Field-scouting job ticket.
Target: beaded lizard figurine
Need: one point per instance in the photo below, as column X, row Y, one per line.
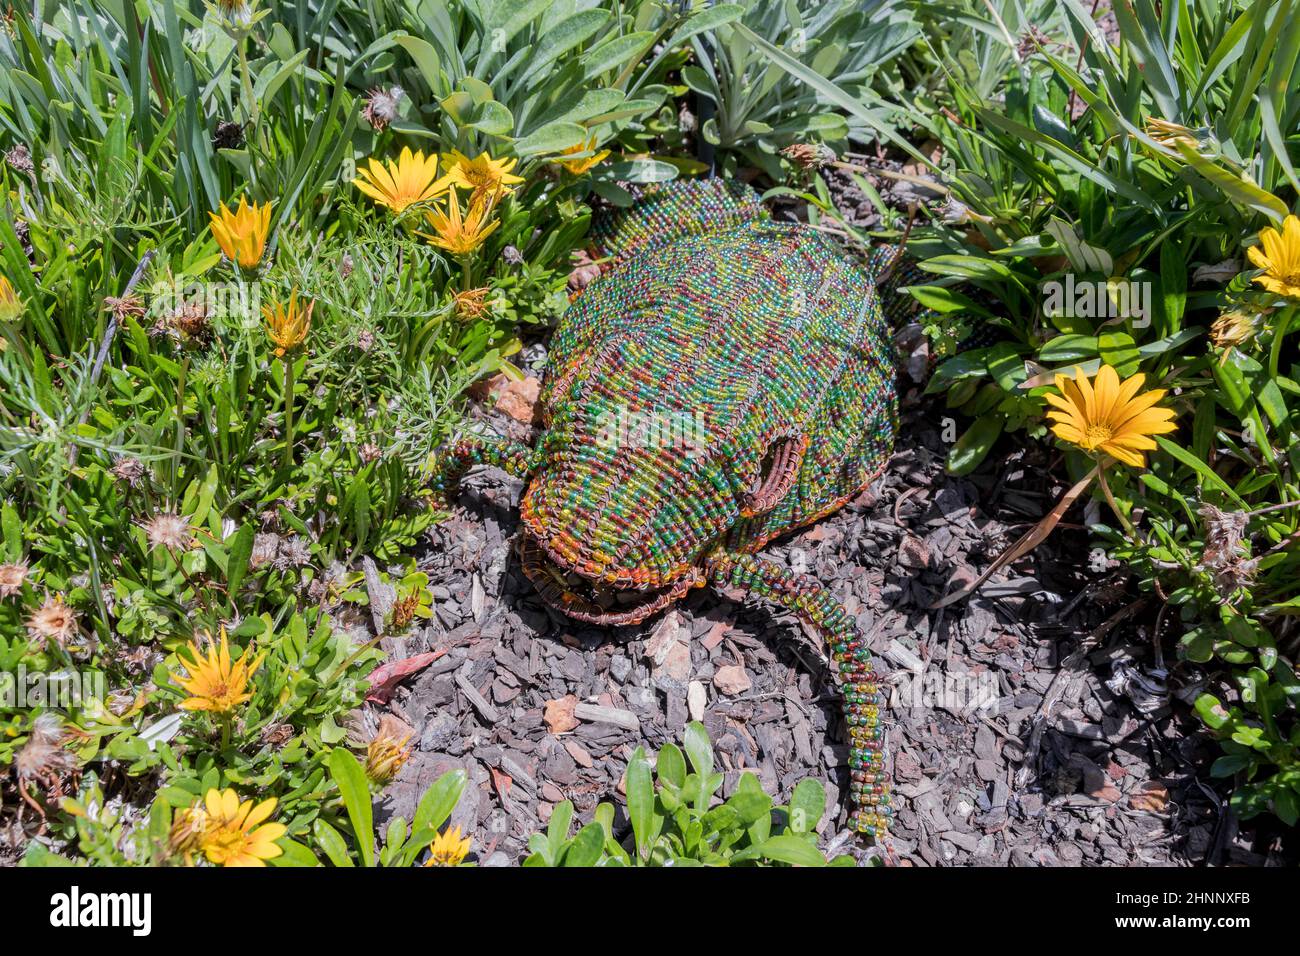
column 727, row 380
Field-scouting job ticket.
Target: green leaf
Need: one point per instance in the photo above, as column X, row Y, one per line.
column 974, row 444
column 586, row 847
column 640, row 803
column 241, row 550
column 791, row 848
column 439, row 801
column 331, row 843
column 807, row 804
column 355, row 790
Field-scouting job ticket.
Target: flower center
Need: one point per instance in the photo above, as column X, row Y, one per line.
column 223, row 843
column 1097, row 435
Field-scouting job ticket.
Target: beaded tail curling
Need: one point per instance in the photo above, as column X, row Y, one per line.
column 859, row 690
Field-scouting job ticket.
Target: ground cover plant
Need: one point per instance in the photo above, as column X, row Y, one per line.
column 254, row 257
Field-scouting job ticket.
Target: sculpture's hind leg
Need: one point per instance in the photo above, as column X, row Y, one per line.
column 465, row 453
column 862, row 699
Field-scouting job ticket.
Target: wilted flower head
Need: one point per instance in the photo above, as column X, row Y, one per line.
column 53, row 622
column 189, row 827
column 512, row 256
column 369, row 452
column 809, row 155
column 1234, row 328
column 190, row 319
column 1223, row 556
column 12, row 577
column 381, row 106
column 11, row 306
column 1169, row 134
column 1278, row 254
column 470, row 304
column 388, row 750
column 242, row 234
column 170, row 531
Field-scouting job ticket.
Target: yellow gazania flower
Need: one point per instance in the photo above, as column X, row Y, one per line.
column 242, row 234
column 232, row 836
column 460, row 236
column 1279, row 258
column 11, row 306
column 412, row 179
column 215, row 683
column 1109, row 416
column 448, row 849
column 287, row 323
column 489, row 178
column 580, row 166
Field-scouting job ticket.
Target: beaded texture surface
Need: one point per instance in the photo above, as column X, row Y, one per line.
column 726, row 380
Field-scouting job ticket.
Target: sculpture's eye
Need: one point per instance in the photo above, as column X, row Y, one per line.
column 777, row 473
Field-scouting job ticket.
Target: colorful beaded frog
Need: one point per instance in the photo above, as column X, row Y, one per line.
column 727, row 380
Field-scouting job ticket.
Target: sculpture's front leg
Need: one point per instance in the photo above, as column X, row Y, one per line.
column 862, row 699
column 458, row 457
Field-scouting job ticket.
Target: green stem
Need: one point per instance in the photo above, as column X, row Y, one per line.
column 287, row 456
column 1123, row 519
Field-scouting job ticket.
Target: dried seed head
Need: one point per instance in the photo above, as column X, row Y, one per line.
column 265, row 548
column 512, row 256
column 20, row 159
column 381, row 106
column 170, row 531
column 53, row 622
column 277, row 735
column 365, row 339
column 43, row 757
column 369, row 452
column 129, row 470
column 191, row 321
column 124, row 306
column 1224, row 531
column 12, row 577
column 1234, row 328
column 228, row 135
column 293, row 553
column 346, row 265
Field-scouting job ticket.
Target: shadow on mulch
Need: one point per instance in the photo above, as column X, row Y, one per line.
column 1037, row 724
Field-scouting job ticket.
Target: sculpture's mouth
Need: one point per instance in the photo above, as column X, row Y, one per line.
column 597, row 601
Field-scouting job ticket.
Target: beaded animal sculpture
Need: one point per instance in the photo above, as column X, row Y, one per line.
column 727, row 380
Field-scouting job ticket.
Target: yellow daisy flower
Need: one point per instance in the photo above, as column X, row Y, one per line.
column 242, row 234
column 488, row 178
column 287, row 323
column 397, row 185
column 232, row 836
column 460, row 236
column 580, row 166
column 448, row 849
column 1109, row 416
column 215, row 683
column 1278, row 254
